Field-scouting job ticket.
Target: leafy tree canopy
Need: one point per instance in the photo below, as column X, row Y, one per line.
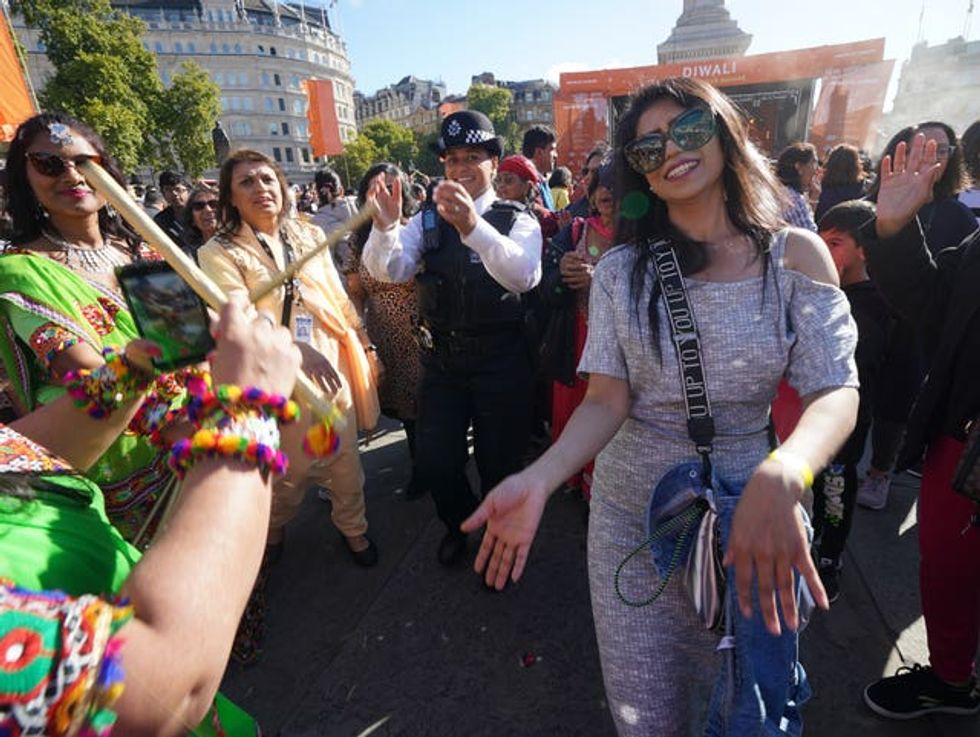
column 104, row 77
column 378, row 140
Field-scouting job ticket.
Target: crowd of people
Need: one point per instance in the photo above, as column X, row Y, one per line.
column 611, row 334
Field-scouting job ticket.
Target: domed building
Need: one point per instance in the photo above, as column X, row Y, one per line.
column 259, row 52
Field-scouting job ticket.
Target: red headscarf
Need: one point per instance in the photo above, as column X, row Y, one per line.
column 522, row 167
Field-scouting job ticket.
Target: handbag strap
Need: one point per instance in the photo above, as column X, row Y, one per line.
column 687, row 346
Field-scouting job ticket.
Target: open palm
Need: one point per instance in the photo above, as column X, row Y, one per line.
column 906, row 183
column 512, row 512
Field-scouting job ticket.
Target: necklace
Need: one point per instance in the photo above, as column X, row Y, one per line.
column 101, row 260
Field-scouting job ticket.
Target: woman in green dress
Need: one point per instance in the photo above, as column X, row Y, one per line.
column 82, row 616
column 60, row 303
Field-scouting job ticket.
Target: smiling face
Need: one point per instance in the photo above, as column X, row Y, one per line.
column 472, row 167
column 204, row 211
column 684, row 174
column 65, row 194
column 255, row 192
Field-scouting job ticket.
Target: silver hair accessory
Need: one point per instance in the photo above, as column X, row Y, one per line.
column 60, row 134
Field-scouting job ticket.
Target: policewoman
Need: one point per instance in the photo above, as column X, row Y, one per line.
column 473, row 257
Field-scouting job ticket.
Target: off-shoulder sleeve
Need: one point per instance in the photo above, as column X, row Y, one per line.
column 824, row 337
column 603, row 353
column 62, row 669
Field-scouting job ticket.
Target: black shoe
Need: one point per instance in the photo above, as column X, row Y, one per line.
column 917, row 691
column 367, row 558
column 829, row 571
column 452, row 549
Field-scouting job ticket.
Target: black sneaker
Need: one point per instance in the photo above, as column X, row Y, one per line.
column 917, row 691
column 829, row 571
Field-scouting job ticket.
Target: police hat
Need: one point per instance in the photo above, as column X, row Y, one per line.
column 468, row 128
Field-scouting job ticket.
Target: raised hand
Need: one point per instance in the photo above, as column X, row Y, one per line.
column 512, row 512
column 906, row 184
column 388, row 202
column 456, row 206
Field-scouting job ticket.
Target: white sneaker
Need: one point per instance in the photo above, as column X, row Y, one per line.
column 873, row 491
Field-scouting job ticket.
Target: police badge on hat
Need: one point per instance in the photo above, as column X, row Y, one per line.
column 468, row 128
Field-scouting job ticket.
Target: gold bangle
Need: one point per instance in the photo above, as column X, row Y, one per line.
column 794, row 463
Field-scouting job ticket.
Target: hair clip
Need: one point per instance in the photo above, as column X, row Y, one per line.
column 60, row 134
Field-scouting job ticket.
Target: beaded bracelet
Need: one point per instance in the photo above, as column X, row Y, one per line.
column 229, row 399
column 210, row 443
column 102, row 390
column 163, row 405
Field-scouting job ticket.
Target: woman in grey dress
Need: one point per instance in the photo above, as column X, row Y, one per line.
column 767, row 305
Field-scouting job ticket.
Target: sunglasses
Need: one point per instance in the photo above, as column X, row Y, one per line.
column 690, row 130
column 201, row 204
column 52, row 165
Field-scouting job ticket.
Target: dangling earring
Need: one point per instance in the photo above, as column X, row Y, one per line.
column 39, row 212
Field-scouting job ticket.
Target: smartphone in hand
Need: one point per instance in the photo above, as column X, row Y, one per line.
column 168, row 312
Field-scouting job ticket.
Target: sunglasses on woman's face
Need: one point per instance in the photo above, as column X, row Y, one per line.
column 690, row 130
column 201, row 204
column 52, row 165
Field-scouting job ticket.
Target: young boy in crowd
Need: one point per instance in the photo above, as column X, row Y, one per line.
column 835, row 490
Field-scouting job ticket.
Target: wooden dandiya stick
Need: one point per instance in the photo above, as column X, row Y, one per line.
column 353, row 223
column 200, row 282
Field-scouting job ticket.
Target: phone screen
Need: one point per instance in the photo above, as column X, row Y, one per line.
column 168, row 312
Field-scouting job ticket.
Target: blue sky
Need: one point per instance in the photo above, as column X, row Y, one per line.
column 528, row 39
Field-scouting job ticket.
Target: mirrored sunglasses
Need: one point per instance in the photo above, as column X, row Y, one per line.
column 51, row 165
column 690, row 130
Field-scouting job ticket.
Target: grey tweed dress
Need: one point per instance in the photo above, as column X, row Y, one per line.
column 657, row 663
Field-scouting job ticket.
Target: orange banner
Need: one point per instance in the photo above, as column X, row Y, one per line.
column 16, row 104
column 730, row 71
column 856, row 70
column 322, row 114
column 849, row 106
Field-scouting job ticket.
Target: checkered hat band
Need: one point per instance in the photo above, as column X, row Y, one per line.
column 478, row 136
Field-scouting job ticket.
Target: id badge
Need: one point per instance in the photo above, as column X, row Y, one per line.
column 304, row 328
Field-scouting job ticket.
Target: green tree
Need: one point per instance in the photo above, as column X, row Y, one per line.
column 185, row 115
column 495, row 103
column 104, row 77
column 359, row 154
column 427, row 160
column 378, row 140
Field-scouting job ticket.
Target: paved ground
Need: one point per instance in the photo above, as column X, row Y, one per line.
column 434, row 653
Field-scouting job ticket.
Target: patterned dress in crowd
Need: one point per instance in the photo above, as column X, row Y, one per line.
column 390, row 314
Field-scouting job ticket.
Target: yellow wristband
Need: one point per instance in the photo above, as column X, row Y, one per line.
column 794, row 463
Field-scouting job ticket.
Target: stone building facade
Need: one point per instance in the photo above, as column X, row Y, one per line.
column 258, row 52
column 411, row 102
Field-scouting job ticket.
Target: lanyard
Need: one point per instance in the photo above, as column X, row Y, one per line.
column 290, row 285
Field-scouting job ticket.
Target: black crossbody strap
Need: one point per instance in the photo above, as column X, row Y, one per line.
column 687, row 345
column 290, row 285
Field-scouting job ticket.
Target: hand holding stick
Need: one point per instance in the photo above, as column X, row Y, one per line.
column 119, row 198
column 335, row 236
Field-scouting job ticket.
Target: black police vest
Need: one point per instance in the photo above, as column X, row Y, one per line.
column 455, row 291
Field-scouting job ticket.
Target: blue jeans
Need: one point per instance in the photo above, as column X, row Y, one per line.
column 761, row 684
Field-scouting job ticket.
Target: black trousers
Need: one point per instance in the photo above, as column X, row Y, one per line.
column 491, row 391
column 835, row 494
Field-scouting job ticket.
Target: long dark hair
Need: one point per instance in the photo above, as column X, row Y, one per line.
column 229, row 219
column 27, row 216
column 843, row 167
column 187, row 217
column 789, row 157
column 954, row 179
column 753, row 200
